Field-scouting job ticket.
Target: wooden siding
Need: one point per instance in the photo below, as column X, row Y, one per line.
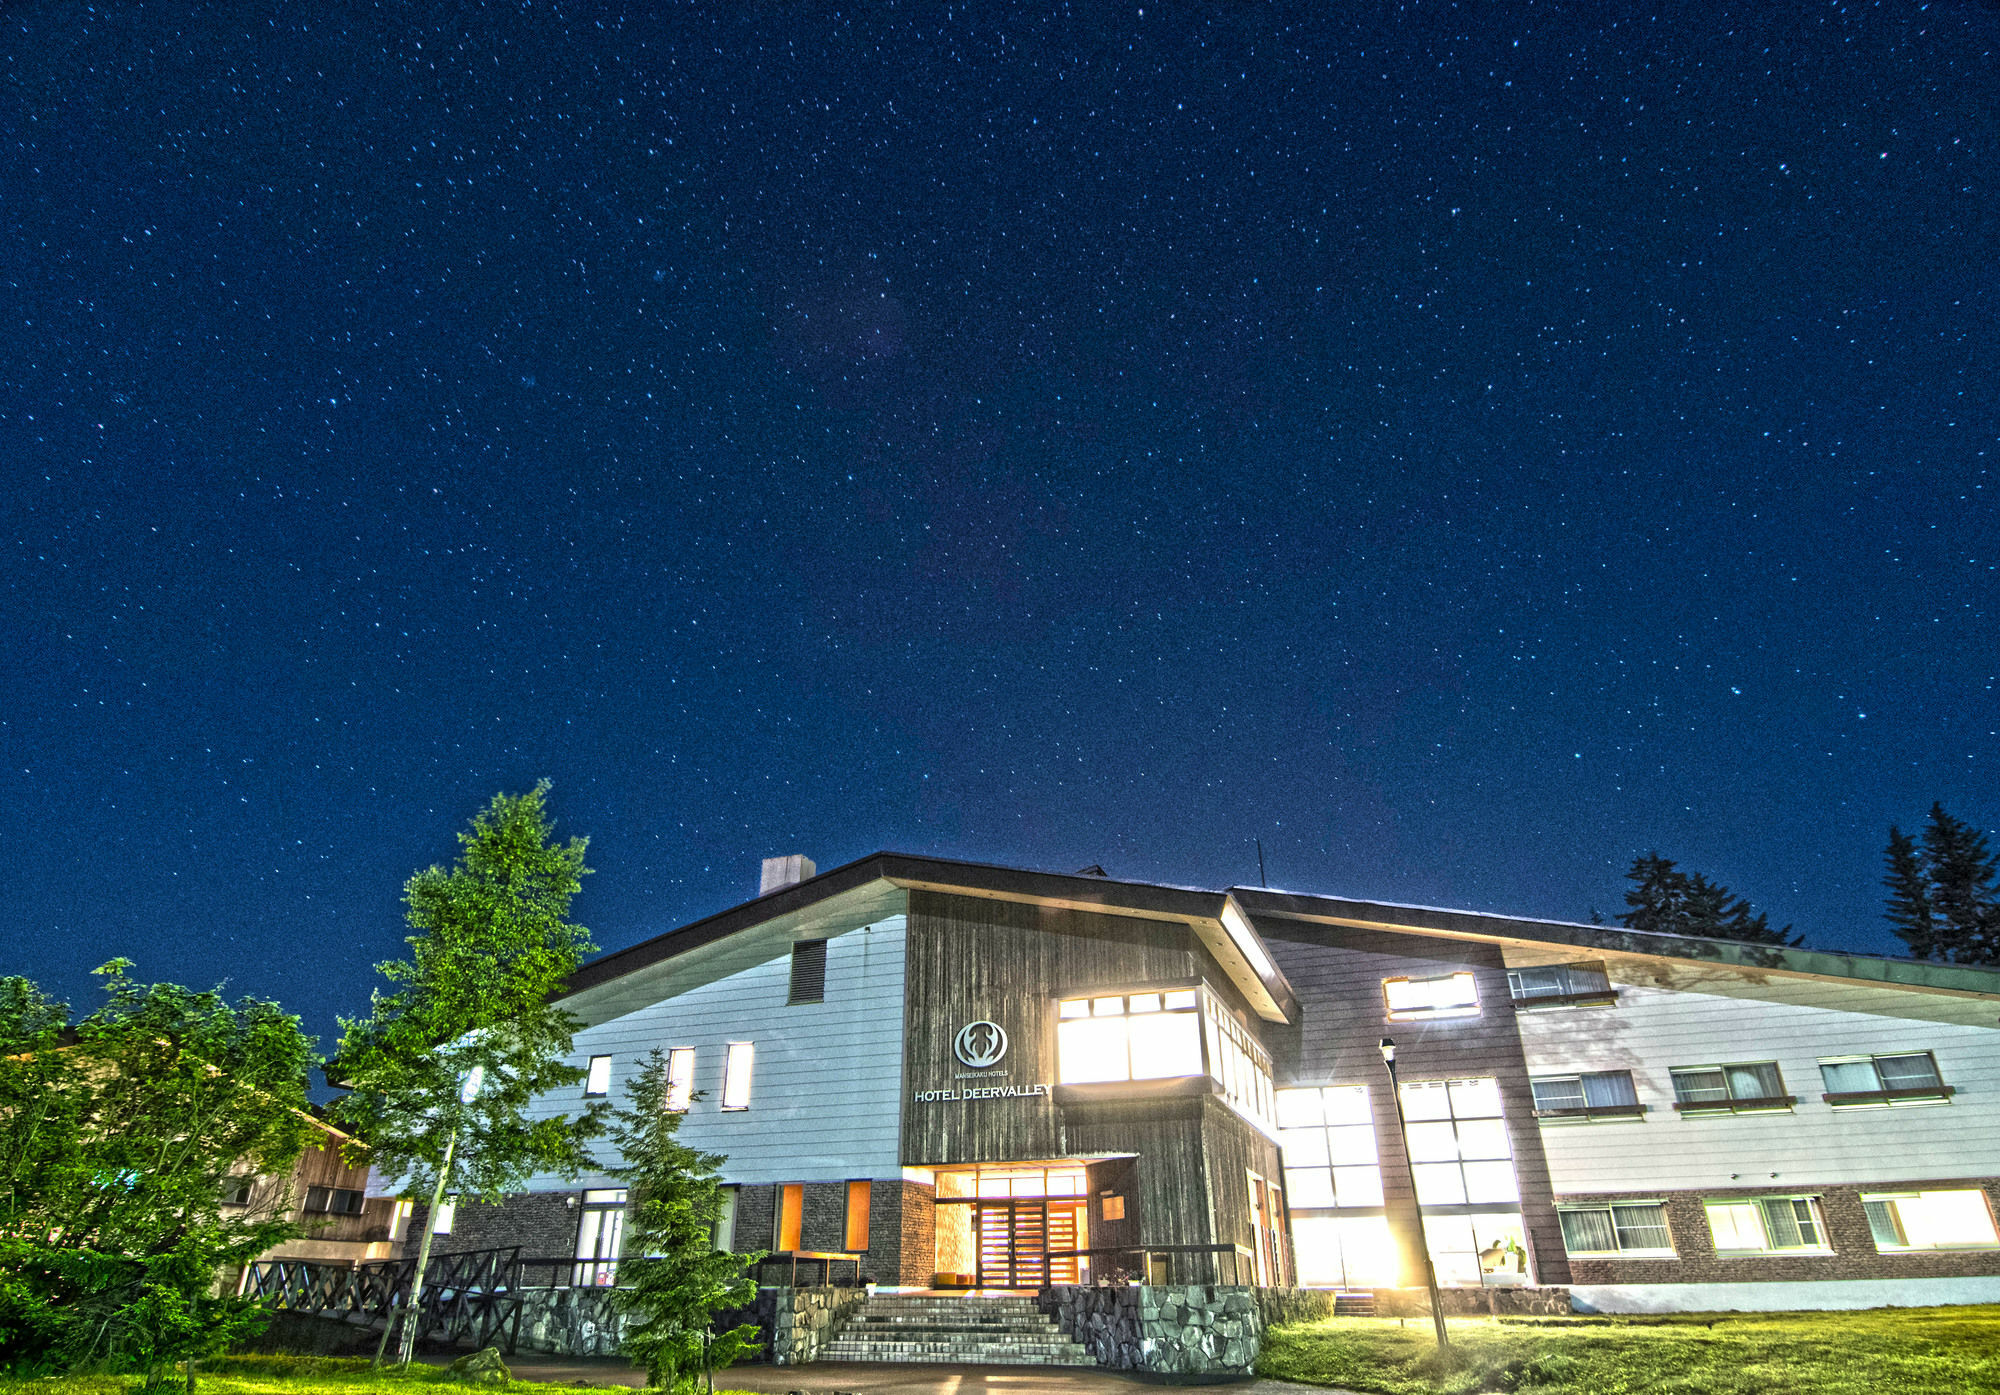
column 827, row 1078
column 1338, row 974
column 1652, row 1029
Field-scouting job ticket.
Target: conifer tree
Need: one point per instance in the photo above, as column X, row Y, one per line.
column 674, row 1279
column 1944, row 898
column 1665, row 900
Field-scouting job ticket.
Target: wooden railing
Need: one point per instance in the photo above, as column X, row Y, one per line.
column 473, row 1294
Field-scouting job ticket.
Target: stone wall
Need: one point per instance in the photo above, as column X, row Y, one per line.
column 1164, row 1330
column 804, row 1321
column 570, row 1321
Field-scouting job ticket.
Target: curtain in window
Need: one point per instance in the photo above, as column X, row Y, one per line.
column 1641, row 1227
column 1849, row 1077
column 1907, row 1072
column 1588, row 1232
column 1606, row 1088
column 1754, row 1082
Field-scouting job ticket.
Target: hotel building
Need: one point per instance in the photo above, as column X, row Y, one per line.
column 968, row 1076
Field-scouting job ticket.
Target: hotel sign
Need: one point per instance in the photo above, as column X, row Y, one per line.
column 981, row 1046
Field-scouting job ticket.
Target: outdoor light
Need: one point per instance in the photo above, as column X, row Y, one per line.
column 1410, row 1171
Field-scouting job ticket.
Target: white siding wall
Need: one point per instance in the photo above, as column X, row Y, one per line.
column 1651, row 1030
column 826, row 1093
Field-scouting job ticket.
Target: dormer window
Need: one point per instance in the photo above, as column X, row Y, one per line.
column 1561, row 985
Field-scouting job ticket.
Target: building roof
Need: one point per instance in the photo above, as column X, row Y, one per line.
column 1224, row 920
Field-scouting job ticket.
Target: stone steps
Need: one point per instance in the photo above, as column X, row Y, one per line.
column 972, row 1331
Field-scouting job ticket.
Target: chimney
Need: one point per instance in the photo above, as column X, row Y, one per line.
column 781, row 872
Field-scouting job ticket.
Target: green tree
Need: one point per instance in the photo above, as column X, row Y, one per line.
column 440, row 1075
column 119, row 1138
column 675, row 1280
column 1665, row 900
column 1944, row 897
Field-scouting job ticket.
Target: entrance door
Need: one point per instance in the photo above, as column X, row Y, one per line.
column 1015, row 1238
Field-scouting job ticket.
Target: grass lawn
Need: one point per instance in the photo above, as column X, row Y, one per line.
column 1883, row 1351
column 286, row 1375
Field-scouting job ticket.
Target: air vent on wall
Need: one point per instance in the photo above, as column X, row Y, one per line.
column 808, row 972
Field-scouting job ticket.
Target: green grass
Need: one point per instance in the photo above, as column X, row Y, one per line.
column 1883, row 1351
column 285, row 1375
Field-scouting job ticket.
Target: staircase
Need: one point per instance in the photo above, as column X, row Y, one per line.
column 1354, row 1304
column 974, row 1330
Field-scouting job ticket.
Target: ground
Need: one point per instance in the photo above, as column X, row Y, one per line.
column 1909, row 1351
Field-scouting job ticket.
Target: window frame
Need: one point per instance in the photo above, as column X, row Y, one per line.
column 735, row 1101
column 1780, row 1103
column 1886, row 1098
column 1905, row 1248
column 1609, row 1210
column 592, row 1090
column 1587, row 1112
column 865, row 1189
column 1465, row 1008
column 1824, row 1246
column 1606, row 996
column 680, row 1093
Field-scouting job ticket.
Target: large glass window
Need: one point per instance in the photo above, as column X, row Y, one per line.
column 1128, row 1036
column 1947, row 1220
column 1458, row 1142
column 1345, row 1252
column 1767, row 1225
column 1235, row 1059
column 1748, row 1087
column 1328, row 1137
column 1629, row 1228
column 1447, row 995
column 600, row 1230
column 1468, row 1251
column 1881, row 1081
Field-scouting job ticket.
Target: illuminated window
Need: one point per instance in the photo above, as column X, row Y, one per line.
column 1632, row 1228
column 1767, row 1225
column 736, row 1074
column 1239, row 1063
column 1448, row 995
column 1138, row 1036
column 1954, row 1220
column 857, row 1216
column 1558, row 983
column 1458, row 1142
column 445, row 1217
column 1863, row 1082
column 597, row 1080
column 680, row 1079
column 1469, row 1251
column 1345, row 1252
column 791, row 1216
column 1594, row 1094
column 1747, row 1088
column 600, row 1230
column 1328, row 1137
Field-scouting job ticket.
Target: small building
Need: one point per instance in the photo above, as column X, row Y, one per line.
column 329, row 1200
column 978, row 1077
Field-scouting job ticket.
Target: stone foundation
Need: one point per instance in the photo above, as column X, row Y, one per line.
column 1473, row 1302
column 1176, row 1330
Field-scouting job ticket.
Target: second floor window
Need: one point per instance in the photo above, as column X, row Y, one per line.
column 597, row 1077
column 680, row 1079
column 1128, row 1036
column 1447, row 995
column 1560, row 984
column 1605, row 1092
column 334, row 1201
column 1458, row 1142
column 1748, row 1087
column 1883, row 1080
column 736, row 1067
column 1328, row 1137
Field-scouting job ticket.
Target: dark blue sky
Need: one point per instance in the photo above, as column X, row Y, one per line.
column 1462, row 446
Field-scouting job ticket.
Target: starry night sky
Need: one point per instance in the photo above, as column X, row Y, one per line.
column 1461, row 446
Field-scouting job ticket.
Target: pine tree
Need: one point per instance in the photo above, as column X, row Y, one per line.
column 1667, row 901
column 674, row 1280
column 1944, row 898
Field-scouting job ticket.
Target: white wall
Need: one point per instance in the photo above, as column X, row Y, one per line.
column 826, row 1092
column 1823, row 1295
column 1652, row 1029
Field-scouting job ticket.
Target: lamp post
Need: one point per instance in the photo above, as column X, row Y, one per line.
column 1410, row 1171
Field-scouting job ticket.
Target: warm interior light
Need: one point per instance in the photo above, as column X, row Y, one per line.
column 1246, row 940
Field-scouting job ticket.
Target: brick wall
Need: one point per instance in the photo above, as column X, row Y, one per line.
column 756, row 1218
column 1854, row 1254
column 543, row 1224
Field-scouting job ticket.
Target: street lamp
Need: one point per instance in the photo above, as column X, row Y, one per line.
column 1410, row 1170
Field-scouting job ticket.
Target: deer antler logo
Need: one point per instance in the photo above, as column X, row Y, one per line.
column 980, row 1044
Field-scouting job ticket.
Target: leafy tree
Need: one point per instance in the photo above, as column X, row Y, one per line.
column 1944, row 897
column 119, row 1138
column 440, row 1075
column 675, row 1280
column 1666, row 900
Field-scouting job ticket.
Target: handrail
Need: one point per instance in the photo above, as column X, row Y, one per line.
column 825, row 1258
column 1238, row 1255
column 469, row 1293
